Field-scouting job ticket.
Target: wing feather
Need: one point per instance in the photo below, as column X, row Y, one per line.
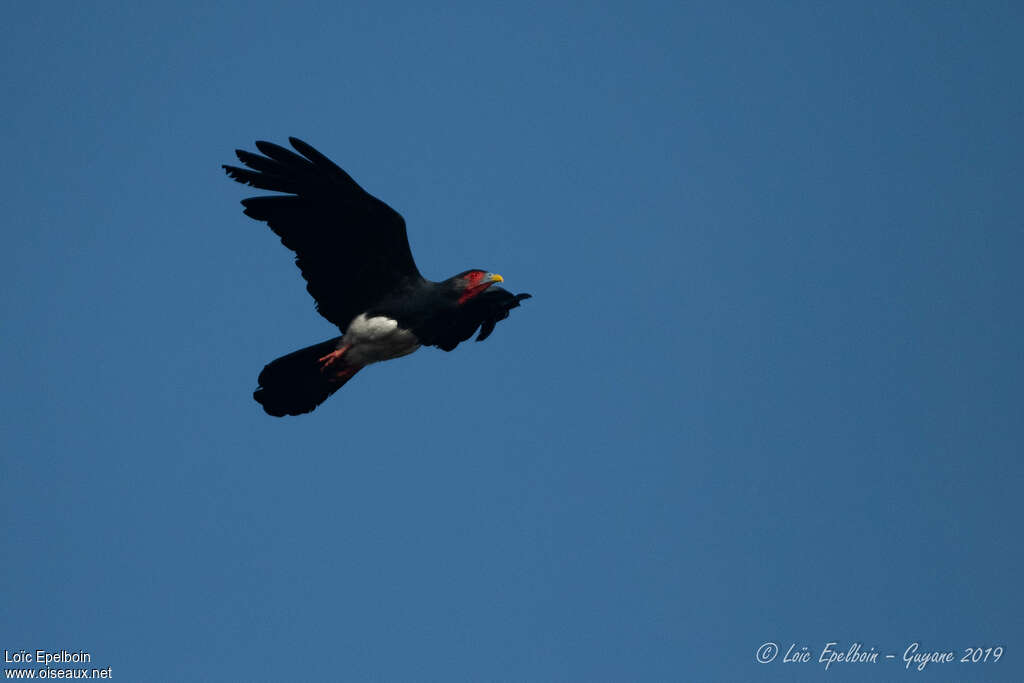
column 482, row 312
column 352, row 248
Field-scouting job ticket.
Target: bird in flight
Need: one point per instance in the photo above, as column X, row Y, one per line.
column 353, row 252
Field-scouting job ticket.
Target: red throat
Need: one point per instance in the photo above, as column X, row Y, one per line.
column 474, row 285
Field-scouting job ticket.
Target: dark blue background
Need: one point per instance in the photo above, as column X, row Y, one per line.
column 768, row 388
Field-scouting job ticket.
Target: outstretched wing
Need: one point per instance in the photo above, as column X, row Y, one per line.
column 351, row 247
column 483, row 311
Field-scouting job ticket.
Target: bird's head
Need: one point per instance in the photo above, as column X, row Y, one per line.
column 473, row 282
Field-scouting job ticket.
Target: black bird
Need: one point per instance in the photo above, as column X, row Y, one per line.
column 353, row 252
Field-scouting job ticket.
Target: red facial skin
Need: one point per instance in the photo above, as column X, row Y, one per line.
column 474, row 285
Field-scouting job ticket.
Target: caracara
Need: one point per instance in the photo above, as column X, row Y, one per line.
column 353, row 252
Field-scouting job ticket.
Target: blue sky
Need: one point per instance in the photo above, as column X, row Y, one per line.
column 768, row 387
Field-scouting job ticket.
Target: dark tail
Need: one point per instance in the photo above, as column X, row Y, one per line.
column 299, row 382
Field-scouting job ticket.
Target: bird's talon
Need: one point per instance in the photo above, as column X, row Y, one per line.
column 332, row 358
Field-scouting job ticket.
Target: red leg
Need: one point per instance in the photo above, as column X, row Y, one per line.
column 333, row 357
column 344, row 374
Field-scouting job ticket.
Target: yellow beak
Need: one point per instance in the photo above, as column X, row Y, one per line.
column 496, row 278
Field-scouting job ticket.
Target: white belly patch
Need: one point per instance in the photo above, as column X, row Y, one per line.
column 376, row 339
